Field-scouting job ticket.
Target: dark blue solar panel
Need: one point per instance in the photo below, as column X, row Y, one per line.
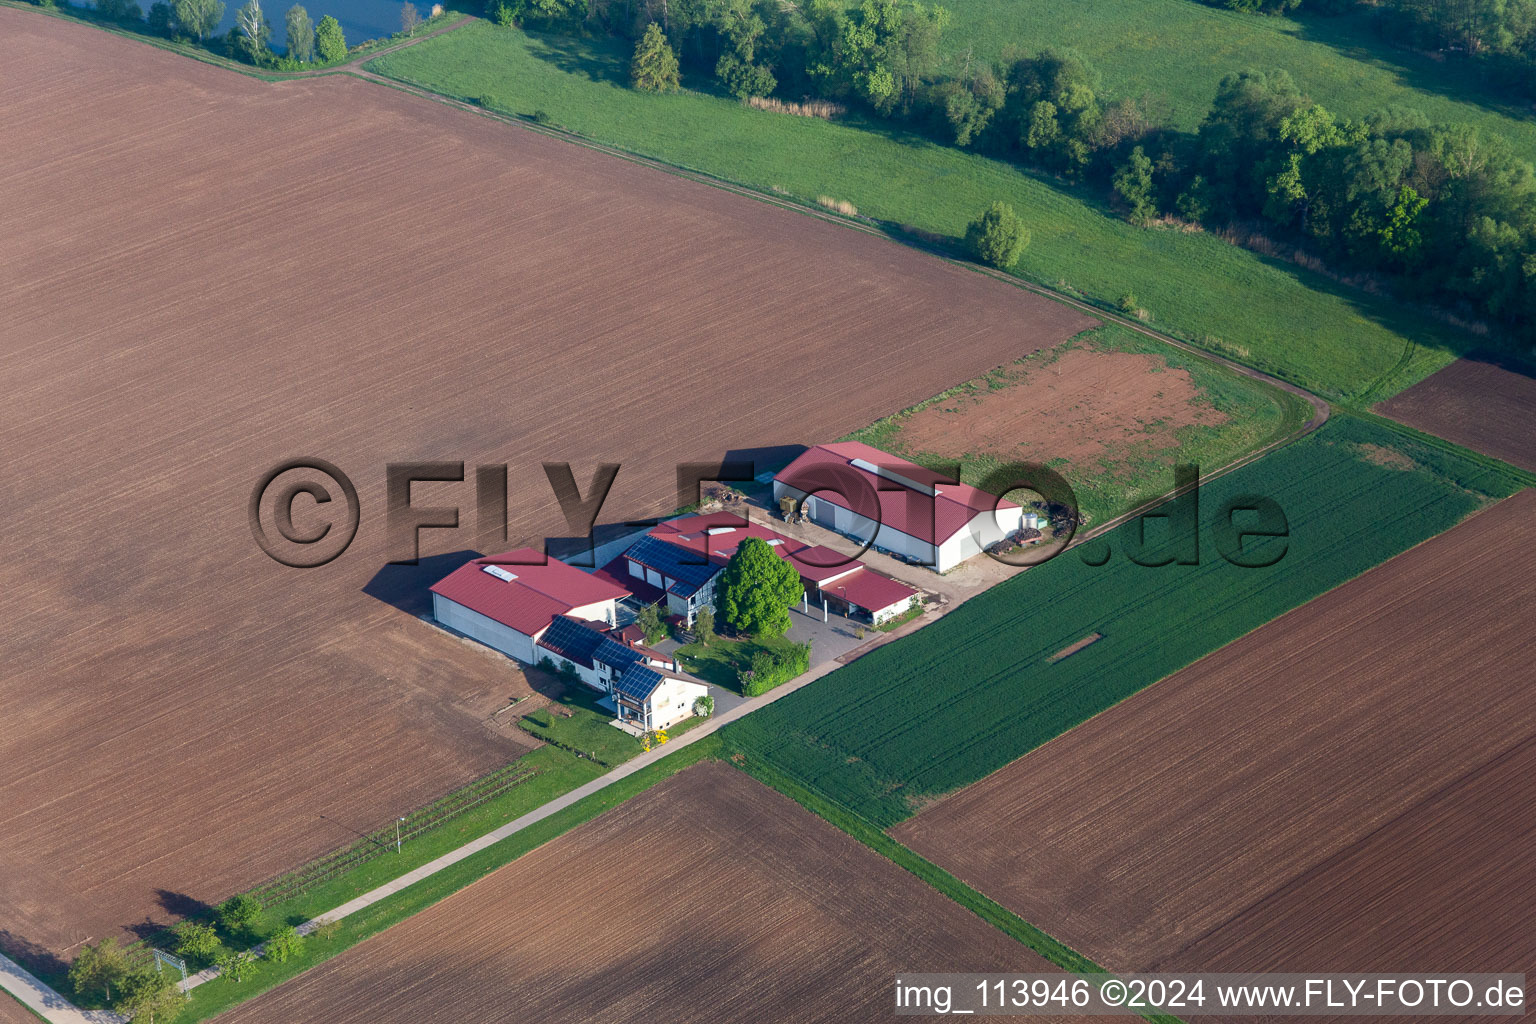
column 572, row 639
column 611, row 652
column 676, row 562
column 638, row 682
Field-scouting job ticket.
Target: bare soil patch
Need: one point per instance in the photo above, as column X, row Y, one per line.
column 708, row 898
column 207, row 275
column 1086, row 406
column 1255, row 811
column 1482, row 405
column 1073, row 648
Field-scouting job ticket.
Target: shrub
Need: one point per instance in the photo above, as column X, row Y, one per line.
column 326, row 928
column 238, row 913
column 770, row 668
column 197, row 941
column 825, row 109
column 285, row 945
column 998, row 237
column 236, row 965
column 654, row 67
column 841, row 206
column 704, row 706
column 650, row 623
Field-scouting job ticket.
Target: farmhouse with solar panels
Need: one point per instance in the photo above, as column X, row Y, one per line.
column 851, row 488
column 531, row 610
column 683, row 558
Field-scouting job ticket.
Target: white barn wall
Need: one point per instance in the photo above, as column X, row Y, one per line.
column 484, row 629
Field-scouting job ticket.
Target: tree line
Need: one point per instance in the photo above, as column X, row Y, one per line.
column 1443, row 213
column 309, row 44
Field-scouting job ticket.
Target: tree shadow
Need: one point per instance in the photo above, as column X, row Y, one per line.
column 1483, row 82
column 180, row 905
column 597, row 60
column 39, row 960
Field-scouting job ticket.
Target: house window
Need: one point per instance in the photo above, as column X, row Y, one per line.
column 637, row 570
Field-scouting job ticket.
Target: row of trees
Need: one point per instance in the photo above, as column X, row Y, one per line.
column 249, row 39
column 106, row 974
column 1444, row 211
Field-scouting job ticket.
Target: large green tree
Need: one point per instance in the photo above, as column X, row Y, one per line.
column 99, row 969
column 300, row 32
column 255, row 31
column 199, row 17
column 151, row 997
column 756, row 590
column 330, row 43
column 654, row 67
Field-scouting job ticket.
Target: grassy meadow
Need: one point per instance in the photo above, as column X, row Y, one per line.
column 1180, row 49
column 1268, row 313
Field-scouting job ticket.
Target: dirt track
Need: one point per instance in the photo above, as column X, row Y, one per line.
column 708, row 898
column 205, row 275
column 1292, row 801
column 1484, row 406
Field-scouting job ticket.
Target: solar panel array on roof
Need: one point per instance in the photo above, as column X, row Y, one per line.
column 638, row 682
column 573, row 640
column 611, row 652
column 674, row 561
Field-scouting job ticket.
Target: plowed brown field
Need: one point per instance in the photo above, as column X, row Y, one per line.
column 1348, row 788
column 708, row 898
column 204, row 275
column 12, row 1012
column 1484, row 406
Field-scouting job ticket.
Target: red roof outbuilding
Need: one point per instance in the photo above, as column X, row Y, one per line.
column 538, row 590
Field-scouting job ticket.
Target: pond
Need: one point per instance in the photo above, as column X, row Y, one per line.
column 361, row 20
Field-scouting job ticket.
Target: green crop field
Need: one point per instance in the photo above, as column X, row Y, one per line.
column 1180, row 49
column 956, row 701
column 1336, row 341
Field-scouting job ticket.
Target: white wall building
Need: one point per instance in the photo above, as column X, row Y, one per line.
column 508, row 601
column 907, row 510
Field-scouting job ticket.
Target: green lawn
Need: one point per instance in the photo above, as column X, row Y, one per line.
column 585, row 730
column 1270, row 314
column 1180, row 49
column 1133, row 472
column 723, row 660
column 955, row 701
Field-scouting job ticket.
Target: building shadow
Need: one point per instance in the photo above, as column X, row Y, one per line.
column 405, row 586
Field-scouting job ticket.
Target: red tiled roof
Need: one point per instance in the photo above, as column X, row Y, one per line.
column 869, row 589
column 909, row 511
column 814, row 562
column 529, row 602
